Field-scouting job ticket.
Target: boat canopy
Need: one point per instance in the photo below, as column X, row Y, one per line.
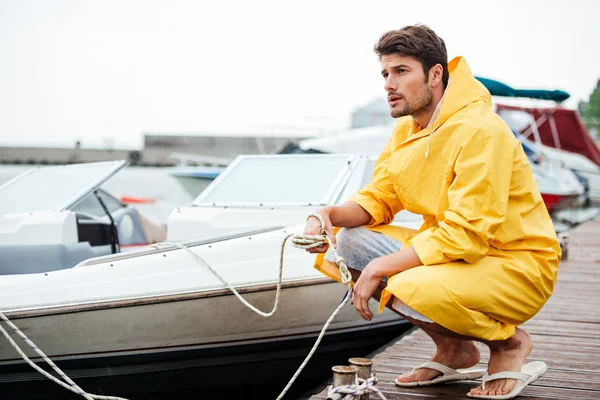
column 560, row 128
column 498, row 88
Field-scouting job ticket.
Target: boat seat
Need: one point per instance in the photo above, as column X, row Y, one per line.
column 38, row 258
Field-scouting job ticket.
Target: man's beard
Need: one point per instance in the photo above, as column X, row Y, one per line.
column 416, row 105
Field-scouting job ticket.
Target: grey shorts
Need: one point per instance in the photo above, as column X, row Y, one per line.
column 359, row 246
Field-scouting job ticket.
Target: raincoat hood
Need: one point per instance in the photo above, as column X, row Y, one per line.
column 462, row 90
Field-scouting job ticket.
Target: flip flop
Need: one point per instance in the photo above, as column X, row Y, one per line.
column 529, row 373
column 448, row 375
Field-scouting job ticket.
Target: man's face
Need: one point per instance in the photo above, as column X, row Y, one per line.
column 407, row 86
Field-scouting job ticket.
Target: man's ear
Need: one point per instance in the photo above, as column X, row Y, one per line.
column 435, row 75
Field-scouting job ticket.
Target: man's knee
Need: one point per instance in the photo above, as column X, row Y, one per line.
column 350, row 247
column 347, row 239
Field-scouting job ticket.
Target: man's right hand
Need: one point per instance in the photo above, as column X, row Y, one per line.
column 313, row 227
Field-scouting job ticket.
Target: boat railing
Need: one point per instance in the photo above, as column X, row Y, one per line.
column 169, row 246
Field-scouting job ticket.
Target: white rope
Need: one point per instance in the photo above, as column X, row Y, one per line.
column 302, row 242
column 352, row 392
column 72, row 386
column 298, row 240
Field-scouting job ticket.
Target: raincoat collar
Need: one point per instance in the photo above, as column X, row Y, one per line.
column 462, row 90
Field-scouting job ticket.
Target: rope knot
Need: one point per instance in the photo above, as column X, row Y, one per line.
column 352, row 392
column 306, row 242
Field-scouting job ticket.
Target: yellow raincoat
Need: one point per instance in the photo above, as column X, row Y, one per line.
column 489, row 250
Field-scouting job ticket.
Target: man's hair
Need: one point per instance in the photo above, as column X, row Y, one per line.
column 418, row 41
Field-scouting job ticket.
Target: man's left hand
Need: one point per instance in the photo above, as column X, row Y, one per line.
column 364, row 288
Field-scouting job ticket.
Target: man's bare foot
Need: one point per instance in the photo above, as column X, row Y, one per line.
column 508, row 355
column 453, row 353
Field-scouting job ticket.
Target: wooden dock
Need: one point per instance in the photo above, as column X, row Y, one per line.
column 566, row 335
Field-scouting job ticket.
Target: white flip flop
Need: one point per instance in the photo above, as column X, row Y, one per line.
column 448, row 375
column 529, row 373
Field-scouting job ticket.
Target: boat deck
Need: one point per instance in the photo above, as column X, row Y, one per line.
column 566, row 336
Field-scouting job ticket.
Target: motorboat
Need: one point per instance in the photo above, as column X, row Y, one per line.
column 55, row 217
column 157, row 316
column 195, row 172
column 195, row 179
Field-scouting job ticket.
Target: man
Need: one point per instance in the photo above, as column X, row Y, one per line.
column 486, row 258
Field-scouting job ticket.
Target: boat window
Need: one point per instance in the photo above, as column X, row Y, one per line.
column 368, row 173
column 54, row 188
column 91, row 205
column 278, row 180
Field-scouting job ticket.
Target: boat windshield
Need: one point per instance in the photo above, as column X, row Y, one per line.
column 288, row 180
column 54, row 188
column 91, row 206
column 368, row 173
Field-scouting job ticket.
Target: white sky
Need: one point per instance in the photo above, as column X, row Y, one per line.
column 114, row 69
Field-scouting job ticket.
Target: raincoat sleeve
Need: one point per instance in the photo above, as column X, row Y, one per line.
column 477, row 202
column 379, row 198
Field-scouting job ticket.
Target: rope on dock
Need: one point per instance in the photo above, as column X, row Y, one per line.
column 353, row 392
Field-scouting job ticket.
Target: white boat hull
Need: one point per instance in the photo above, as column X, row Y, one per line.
column 202, row 320
column 158, row 311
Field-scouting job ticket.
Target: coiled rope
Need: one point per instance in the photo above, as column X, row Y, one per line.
column 352, row 392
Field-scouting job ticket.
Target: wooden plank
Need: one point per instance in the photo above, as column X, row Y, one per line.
column 566, row 335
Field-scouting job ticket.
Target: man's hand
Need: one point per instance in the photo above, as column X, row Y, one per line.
column 313, row 227
column 364, row 288
column 346, row 215
column 375, row 271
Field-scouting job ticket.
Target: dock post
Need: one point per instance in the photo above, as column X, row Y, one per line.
column 342, row 376
column 364, row 370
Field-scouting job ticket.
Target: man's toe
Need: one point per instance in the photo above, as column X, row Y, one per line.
column 476, row 390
